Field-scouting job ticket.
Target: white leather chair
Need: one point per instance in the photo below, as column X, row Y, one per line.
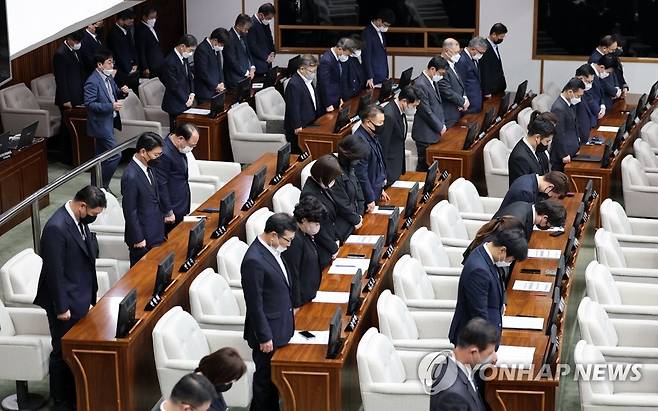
column 270, row 105
column 388, row 379
column 463, row 195
column 620, row 299
column 654, row 115
column 24, row 352
column 110, row 221
column 632, row 264
column 645, row 155
column 178, row 345
column 640, row 189
column 496, row 172
column 649, row 132
column 19, row 108
column 426, row 247
column 410, row 151
column 216, row 173
column 453, row 231
column 553, row 90
column 113, row 247
column 630, row 232
column 214, row 305
column 285, row 199
column 43, row 88
column 229, row 260
column 135, row 120
column 604, row 394
column 622, row 340
column 511, row 133
column 524, row 118
column 249, row 139
column 412, row 331
column 543, row 102
column 151, row 92
column 20, row 278
column 306, row 173
column 420, row 291
column 256, row 223
column 199, row 193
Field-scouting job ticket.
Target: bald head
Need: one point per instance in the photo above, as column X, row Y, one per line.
column 451, row 44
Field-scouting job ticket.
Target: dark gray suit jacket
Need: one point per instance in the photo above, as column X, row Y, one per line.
column 460, row 396
column 429, row 119
column 452, row 93
column 566, row 140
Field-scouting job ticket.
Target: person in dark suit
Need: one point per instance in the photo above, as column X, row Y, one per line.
column 492, row 77
column 222, row 368
column 120, row 41
column 302, row 257
column 532, row 188
column 604, row 68
column 238, row 63
column 91, row 42
column 346, row 192
column 544, row 214
column 354, row 80
column 481, row 292
column 324, row 173
column 591, row 107
column 566, row 142
column 371, row 172
column 102, row 99
column 469, row 73
column 178, row 79
column 331, row 70
column 260, row 40
column 530, row 154
column 149, row 52
column 451, row 88
column 172, row 174
column 609, row 46
column 208, row 71
column 267, row 286
column 141, row 204
column 67, row 283
column 192, row 392
column 429, row 122
column 374, row 57
column 302, row 100
column 394, row 132
column 476, row 345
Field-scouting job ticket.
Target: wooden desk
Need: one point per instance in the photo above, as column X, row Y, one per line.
column 82, row 146
column 305, row 378
column 470, row 163
column 119, row 374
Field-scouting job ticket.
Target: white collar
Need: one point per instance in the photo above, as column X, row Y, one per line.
column 376, row 28
column 397, row 102
column 494, row 45
column 600, row 52
column 122, row 29
column 307, row 81
column 70, row 48
column 534, row 214
column 534, row 151
column 428, row 77
column 140, row 164
column 91, row 34
column 596, row 71
column 565, row 100
column 70, row 211
column 274, row 252
column 334, row 53
column 180, row 56
column 466, row 369
column 211, row 46
column 236, row 32
column 488, row 252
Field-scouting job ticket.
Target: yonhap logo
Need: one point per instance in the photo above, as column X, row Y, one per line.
column 437, row 372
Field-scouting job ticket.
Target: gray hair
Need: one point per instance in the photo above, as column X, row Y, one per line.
column 478, row 42
column 308, row 60
column 450, row 43
column 346, row 43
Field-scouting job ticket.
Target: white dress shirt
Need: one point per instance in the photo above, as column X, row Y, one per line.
column 466, row 370
column 379, row 33
column 495, row 47
column 277, row 257
column 143, row 168
column 311, row 90
column 122, row 29
column 532, row 149
column 67, row 206
column 152, row 30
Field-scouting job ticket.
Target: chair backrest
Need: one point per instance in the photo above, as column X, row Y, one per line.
column 132, row 108
column 20, row 276
column 210, row 294
column 410, row 281
column 446, row 222
column 644, row 153
column 511, row 133
column 427, row 248
column 256, row 223
column 552, row 89
column 649, row 131
column 243, row 119
column 585, row 354
column 524, row 118
column 543, row 102
column 395, row 320
column 608, row 250
column 192, row 166
column 377, row 361
column 654, row 116
column 44, row 86
column 632, row 173
column 18, row 96
column 306, row 172
column 112, row 215
column 6, row 324
column 151, row 92
column 229, row 258
column 601, row 287
column 463, row 195
column 285, row 199
column 496, row 156
column 270, row 102
column 613, row 217
column 595, row 325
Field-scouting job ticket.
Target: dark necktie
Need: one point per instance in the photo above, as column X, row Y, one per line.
column 340, row 69
column 476, row 63
column 186, row 64
column 82, row 231
column 404, row 127
column 151, row 176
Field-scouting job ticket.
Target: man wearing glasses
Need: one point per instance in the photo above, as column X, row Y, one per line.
column 269, row 323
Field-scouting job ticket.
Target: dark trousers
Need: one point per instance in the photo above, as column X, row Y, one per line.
column 110, row 165
column 172, row 121
column 62, row 384
column 266, row 396
column 294, row 143
column 136, row 254
column 421, row 148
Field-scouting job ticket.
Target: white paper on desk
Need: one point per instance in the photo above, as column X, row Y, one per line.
column 533, row 286
column 362, row 263
column 192, row 218
column 550, row 230
column 332, row 297
column 362, row 239
column 407, row 184
column 378, row 210
column 199, row 111
column 607, row 129
column 544, row 253
column 523, row 323
column 321, row 338
column 512, row 355
column 257, row 86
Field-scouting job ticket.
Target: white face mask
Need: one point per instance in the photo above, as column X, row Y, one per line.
column 266, row 21
column 603, row 74
column 383, row 29
column 588, row 86
column 108, row 72
column 502, row 264
column 437, row 77
column 185, row 150
column 357, row 53
column 188, row 54
column 575, row 101
column 455, row 58
column 411, row 111
column 309, row 76
column 76, row 46
column 478, row 56
column 151, row 22
column 343, row 58
column 218, row 48
column 281, row 249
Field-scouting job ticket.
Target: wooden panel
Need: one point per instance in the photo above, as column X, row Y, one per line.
column 521, row 399
column 295, row 393
column 10, row 191
column 453, row 165
column 92, row 365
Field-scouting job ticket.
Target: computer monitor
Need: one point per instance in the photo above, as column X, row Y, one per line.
column 163, row 275
column 126, row 317
column 587, row 194
column 504, row 105
column 27, row 135
column 619, row 139
column 386, row 91
column 375, row 256
column 555, row 309
column 551, row 353
column 430, row 178
column 405, row 78
column 217, row 104
column 257, row 184
column 283, row 159
column 641, row 107
column 471, row 135
column 270, row 77
column 520, row 92
column 630, row 120
column 343, row 119
column 244, row 90
column 569, row 248
column 354, row 302
column 607, row 153
column 391, row 228
column 335, row 343
column 364, row 101
column 226, row 209
column 580, row 216
column 487, row 121
column 412, row 198
column 195, row 239
column 293, row 65
column 653, row 93
column 4, row 142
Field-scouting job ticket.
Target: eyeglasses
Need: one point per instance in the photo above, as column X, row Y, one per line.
column 288, row 240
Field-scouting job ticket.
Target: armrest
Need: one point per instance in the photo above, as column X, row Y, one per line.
column 205, row 179
column 433, row 270
column 110, row 266
column 653, row 179
column 263, row 125
column 641, row 257
column 390, row 388
column 644, row 189
column 260, row 137
column 222, row 169
column 646, row 384
column 222, row 319
column 631, row 353
column 638, row 294
column 15, row 344
column 271, row 117
column 650, row 170
column 219, row 338
column 445, row 288
column 184, row 365
column 30, row 111
column 455, row 255
column 425, row 345
column 239, row 297
column 410, row 361
column 636, row 333
column 499, row 171
column 612, row 400
column 484, row 217
column 15, row 119
column 29, row 321
column 103, row 229
column 641, row 239
column 472, row 226
column 444, row 305
column 455, row 242
column 644, row 226
column 634, row 274
column 637, row 311
column 491, row 204
column 432, row 325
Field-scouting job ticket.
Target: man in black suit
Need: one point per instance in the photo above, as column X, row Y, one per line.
column 120, row 41
column 92, row 41
column 609, row 46
column 566, row 142
column 394, row 133
column 451, row 88
column 208, row 72
column 238, row 63
column 260, row 41
column 467, row 68
column 178, row 79
column 331, row 72
column 149, row 53
column 532, row 188
column 544, row 214
column 371, row 171
column 530, row 155
column 476, row 345
column 141, row 204
column 172, row 174
column 67, row 284
column 604, row 68
column 302, row 100
column 492, row 76
column 269, row 322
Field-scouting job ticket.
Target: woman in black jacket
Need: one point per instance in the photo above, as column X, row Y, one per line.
column 222, row 368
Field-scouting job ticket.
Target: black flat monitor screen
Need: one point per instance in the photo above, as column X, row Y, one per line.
column 568, row 250
column 641, row 106
column 587, row 196
column 343, row 119
column 392, row 227
column 364, row 101
column 27, row 134
column 550, row 355
column 293, row 65
column 412, row 197
column 163, row 275
column 270, row 77
column 283, row 159
column 126, row 317
column 653, row 93
column 580, row 214
column 619, row 138
column 195, row 239
column 217, row 103
column 630, row 120
column 4, row 142
column 471, row 135
column 607, row 152
column 5, row 62
column 355, row 291
column 430, row 177
column 226, row 209
column 520, row 92
column 244, row 90
column 405, row 78
column 335, row 328
column 375, row 256
column 258, row 183
column 386, row 91
column 555, row 309
column 488, row 120
column 504, row 104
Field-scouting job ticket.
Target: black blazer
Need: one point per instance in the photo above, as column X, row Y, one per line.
column 371, row 172
column 392, row 140
column 326, row 238
column 149, row 53
column 329, row 80
column 523, row 212
column 492, row 77
column 172, row 175
column 524, row 188
column 267, row 295
column 237, row 59
column 123, row 49
column 523, row 161
column 88, row 48
column 353, row 80
column 141, row 207
column 460, row 396
column 567, row 138
column 178, row 84
column 300, row 111
column 208, row 71
column 68, row 274
column 69, row 76
column 350, row 204
column 260, row 44
column 303, row 263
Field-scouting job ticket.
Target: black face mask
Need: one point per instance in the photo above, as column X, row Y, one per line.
column 377, row 129
column 542, row 196
column 541, row 148
column 88, row 219
column 618, row 52
column 99, row 32
column 223, row 387
column 153, row 162
column 498, row 41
